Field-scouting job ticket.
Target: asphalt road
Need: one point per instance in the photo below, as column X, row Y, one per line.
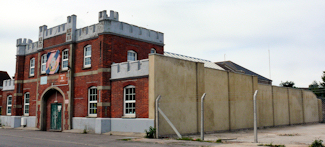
column 14, row 137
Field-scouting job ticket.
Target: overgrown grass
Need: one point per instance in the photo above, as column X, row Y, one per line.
column 271, row 145
column 317, row 143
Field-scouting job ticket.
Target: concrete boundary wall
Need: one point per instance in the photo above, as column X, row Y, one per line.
column 229, row 99
column 103, row 125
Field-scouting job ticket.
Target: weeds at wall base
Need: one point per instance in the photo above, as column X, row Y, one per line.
column 126, row 139
column 271, row 145
column 151, row 133
column 193, row 139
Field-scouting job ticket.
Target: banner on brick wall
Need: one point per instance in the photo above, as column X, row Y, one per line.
column 53, row 62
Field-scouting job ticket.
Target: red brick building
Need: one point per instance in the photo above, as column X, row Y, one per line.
column 87, row 95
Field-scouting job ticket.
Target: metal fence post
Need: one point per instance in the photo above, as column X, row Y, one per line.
column 157, row 117
column 202, row 116
column 255, row 118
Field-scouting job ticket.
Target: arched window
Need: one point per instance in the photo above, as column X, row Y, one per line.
column 129, row 101
column 9, row 104
column 31, row 67
column 43, row 63
column 132, row 55
column 92, row 101
column 65, row 59
column 153, row 50
column 87, row 56
column 26, row 103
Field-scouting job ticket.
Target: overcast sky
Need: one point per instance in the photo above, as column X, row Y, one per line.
column 236, row 30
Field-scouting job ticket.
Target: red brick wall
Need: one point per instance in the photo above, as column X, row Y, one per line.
column 95, row 55
column 141, row 97
column 27, row 66
column 20, row 66
column 82, row 84
column 106, row 49
column 121, row 45
column 49, row 101
column 1, row 102
column 54, row 40
column 31, row 88
column 4, row 101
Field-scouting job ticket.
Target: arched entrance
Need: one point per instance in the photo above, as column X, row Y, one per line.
column 52, row 108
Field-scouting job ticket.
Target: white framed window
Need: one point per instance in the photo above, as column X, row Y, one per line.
column 65, row 58
column 43, row 63
column 26, row 103
column 153, row 50
column 129, row 101
column 87, row 56
column 92, row 101
column 132, row 55
column 32, row 67
column 9, row 104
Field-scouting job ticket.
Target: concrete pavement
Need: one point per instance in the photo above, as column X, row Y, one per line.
column 291, row 136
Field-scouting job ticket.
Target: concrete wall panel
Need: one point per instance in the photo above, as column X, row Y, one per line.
column 241, row 88
column 264, row 105
column 216, row 106
column 320, row 110
column 281, row 106
column 310, row 107
column 175, row 80
column 296, row 106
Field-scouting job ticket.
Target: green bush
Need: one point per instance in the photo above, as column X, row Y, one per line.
column 151, row 133
column 317, row 143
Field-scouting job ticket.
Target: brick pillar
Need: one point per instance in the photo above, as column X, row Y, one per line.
column 104, row 88
column 17, row 99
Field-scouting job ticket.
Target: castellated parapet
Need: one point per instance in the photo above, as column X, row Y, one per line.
column 106, row 25
column 129, row 69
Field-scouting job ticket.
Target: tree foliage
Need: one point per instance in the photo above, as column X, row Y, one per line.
column 288, row 84
column 313, row 85
column 323, row 78
column 318, row 89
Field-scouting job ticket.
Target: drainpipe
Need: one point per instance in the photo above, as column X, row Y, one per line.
column 202, row 116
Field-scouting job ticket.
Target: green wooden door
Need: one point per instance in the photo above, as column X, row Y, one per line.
column 56, row 110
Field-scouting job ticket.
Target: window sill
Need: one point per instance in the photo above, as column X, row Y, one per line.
column 91, row 116
column 128, row 117
column 64, row 70
column 86, row 67
column 26, row 114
